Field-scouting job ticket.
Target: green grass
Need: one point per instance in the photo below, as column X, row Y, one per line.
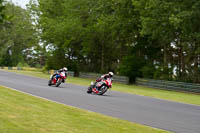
column 22, row 113
column 188, row 98
column 139, row 90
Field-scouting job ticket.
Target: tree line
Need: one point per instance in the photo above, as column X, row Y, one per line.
column 157, row 39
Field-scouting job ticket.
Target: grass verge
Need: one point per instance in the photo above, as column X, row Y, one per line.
column 132, row 89
column 22, row 113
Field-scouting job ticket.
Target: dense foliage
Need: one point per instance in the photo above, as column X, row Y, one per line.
column 2, row 16
column 17, row 37
column 157, row 39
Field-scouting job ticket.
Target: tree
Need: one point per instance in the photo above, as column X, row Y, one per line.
column 17, row 36
column 2, row 15
column 152, row 38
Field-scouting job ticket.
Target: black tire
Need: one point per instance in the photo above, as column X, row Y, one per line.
column 103, row 89
column 58, row 82
column 89, row 90
column 49, row 83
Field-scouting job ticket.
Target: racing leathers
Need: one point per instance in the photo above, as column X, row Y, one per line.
column 57, row 74
column 103, row 77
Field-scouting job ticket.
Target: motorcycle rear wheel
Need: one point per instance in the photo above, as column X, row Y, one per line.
column 58, row 82
column 103, row 90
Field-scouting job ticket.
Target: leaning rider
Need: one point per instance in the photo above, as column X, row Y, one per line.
column 104, row 77
column 57, row 74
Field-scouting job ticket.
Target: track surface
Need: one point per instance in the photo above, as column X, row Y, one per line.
column 171, row 116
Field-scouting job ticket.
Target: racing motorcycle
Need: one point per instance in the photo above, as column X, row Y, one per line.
column 101, row 87
column 54, row 81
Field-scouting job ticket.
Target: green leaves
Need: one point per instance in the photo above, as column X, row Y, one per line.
column 17, row 35
column 104, row 35
column 2, row 15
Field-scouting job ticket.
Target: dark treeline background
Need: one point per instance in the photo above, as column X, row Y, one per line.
column 157, row 39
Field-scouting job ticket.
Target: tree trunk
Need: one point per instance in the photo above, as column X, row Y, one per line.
column 182, row 64
column 165, row 57
column 102, row 57
column 165, row 69
column 179, row 63
column 196, row 69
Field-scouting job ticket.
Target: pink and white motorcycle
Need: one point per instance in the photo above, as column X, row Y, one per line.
column 101, row 87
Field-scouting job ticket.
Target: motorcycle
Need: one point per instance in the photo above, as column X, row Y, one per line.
column 101, row 87
column 54, row 81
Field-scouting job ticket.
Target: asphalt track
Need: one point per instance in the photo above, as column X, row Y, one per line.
column 171, row 116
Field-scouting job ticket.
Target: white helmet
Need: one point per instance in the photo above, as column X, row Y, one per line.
column 111, row 74
column 65, row 69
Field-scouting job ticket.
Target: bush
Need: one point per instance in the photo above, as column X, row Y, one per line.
column 131, row 66
column 148, row 71
column 20, row 64
column 38, row 65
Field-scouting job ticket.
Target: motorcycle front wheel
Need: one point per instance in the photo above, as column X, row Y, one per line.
column 89, row 90
column 49, row 83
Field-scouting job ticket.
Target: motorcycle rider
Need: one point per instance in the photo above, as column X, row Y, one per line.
column 105, row 76
column 57, row 73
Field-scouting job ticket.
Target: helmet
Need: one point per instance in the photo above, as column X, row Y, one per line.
column 64, row 68
column 110, row 74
